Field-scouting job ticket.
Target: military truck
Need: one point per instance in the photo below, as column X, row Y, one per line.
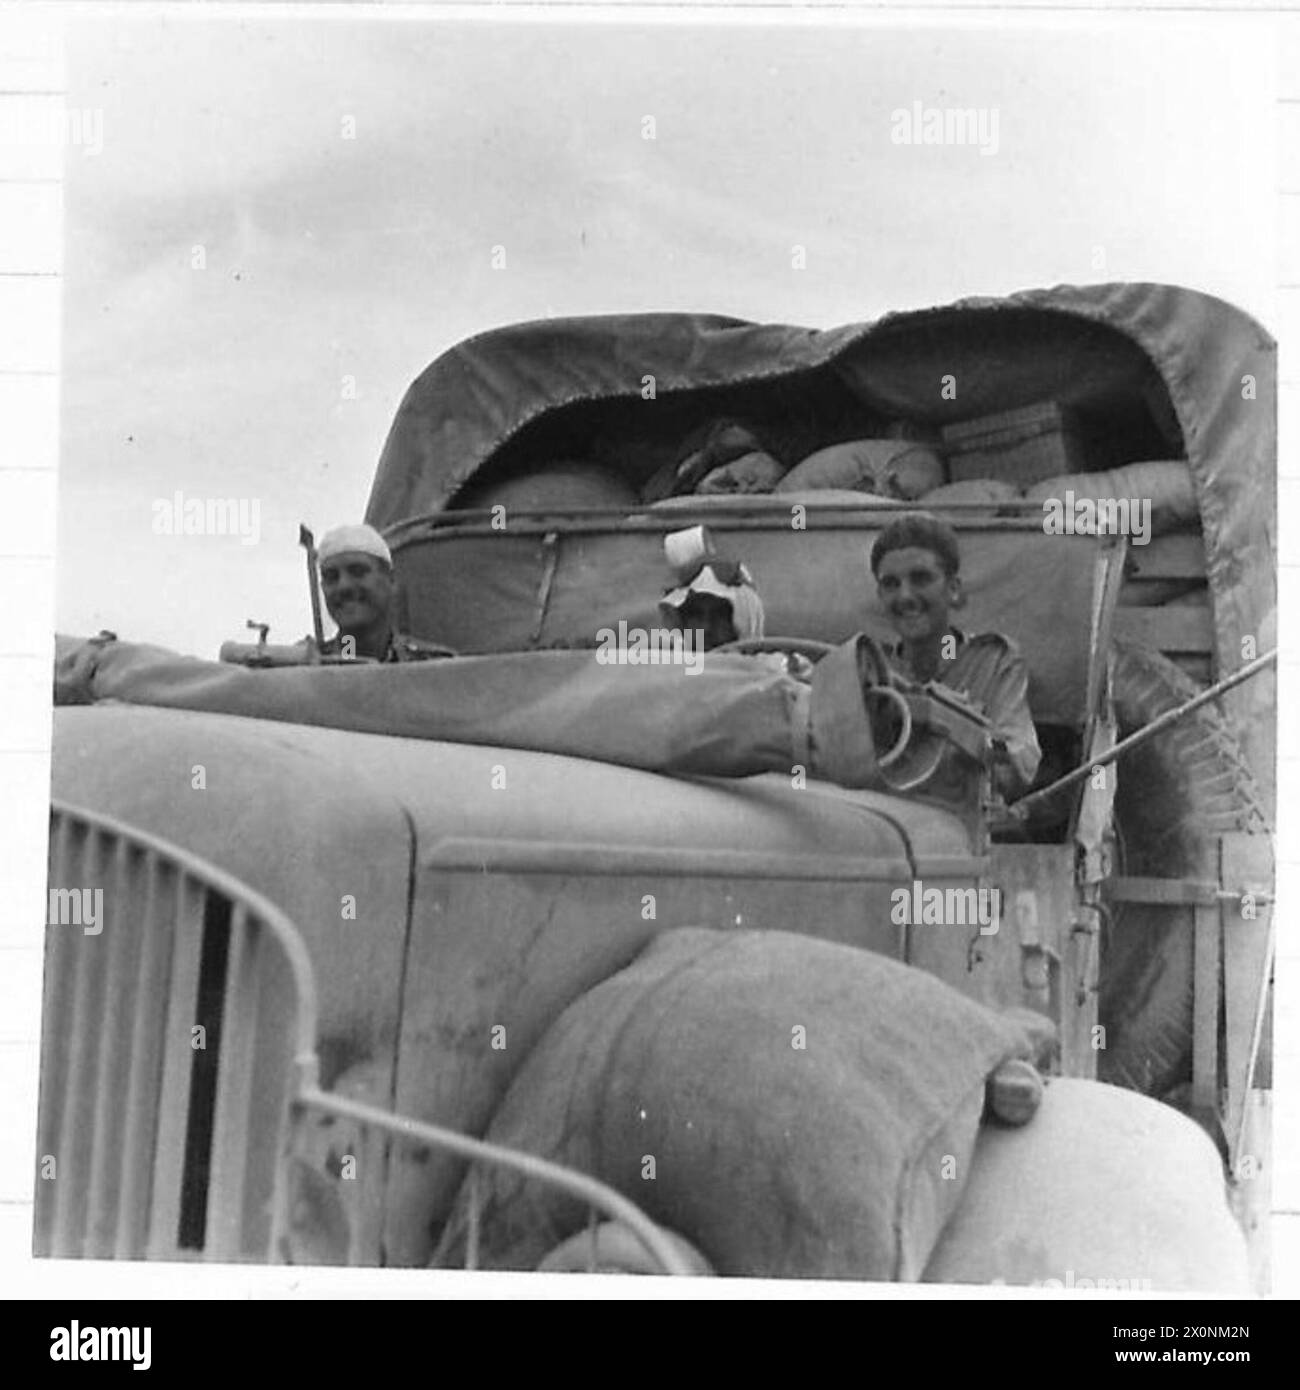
column 361, row 924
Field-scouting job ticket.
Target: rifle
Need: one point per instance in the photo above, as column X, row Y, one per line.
column 305, row 653
column 308, row 543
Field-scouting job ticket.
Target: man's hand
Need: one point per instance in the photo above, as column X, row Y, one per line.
column 1007, row 781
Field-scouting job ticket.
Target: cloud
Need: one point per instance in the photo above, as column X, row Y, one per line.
column 328, row 258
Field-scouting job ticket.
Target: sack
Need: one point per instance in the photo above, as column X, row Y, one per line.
column 789, row 1106
column 886, row 467
column 752, row 472
column 974, row 490
column 1105, row 1189
column 1166, row 485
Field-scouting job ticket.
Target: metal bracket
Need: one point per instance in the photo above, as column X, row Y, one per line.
column 1178, row 892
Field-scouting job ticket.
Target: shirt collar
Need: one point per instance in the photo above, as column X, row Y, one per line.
column 894, row 650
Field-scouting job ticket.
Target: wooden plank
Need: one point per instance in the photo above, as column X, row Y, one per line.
column 1247, row 953
column 1205, row 1010
column 1174, row 628
column 1136, row 889
column 1157, row 593
column 1177, row 556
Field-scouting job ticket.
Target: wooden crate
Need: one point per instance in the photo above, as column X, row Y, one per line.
column 1021, row 447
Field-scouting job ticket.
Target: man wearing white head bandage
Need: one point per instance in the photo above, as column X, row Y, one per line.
column 715, row 597
column 356, row 578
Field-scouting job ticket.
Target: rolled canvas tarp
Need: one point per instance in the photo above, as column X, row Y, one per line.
column 733, row 718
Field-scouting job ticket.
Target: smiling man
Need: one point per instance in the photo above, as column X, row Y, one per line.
column 356, row 578
column 916, row 562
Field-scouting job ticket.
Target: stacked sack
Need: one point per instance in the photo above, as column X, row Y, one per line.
column 733, row 461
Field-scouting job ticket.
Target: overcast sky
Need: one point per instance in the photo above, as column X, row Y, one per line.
column 328, row 257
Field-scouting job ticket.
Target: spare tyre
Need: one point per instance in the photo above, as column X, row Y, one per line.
column 1175, row 795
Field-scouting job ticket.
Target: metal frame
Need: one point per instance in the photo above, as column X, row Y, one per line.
column 162, row 1155
column 1231, row 966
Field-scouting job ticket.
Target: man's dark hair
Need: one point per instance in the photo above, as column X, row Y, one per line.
column 922, row 531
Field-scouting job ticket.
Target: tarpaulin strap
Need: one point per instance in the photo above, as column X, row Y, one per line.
column 75, row 663
column 842, row 743
column 551, row 549
column 801, row 726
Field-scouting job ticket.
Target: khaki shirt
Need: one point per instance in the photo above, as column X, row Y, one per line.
column 400, row 648
column 988, row 669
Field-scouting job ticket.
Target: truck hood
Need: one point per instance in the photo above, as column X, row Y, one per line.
column 274, row 802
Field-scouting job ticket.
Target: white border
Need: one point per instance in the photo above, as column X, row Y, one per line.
column 31, row 43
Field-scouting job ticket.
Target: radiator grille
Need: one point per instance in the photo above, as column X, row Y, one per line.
column 168, row 1039
column 178, row 1072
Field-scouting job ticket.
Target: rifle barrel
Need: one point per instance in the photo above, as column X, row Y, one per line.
column 308, row 543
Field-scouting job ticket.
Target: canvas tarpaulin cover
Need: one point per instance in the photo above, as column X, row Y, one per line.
column 1037, row 591
column 1205, row 371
